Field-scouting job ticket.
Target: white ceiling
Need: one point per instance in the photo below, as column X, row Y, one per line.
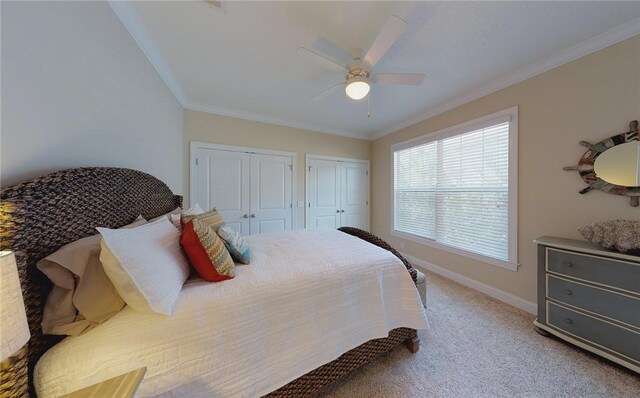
column 243, row 62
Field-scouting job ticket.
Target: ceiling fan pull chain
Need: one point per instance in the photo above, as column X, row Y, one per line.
column 369, row 105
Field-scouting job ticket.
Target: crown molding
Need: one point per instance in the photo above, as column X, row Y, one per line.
column 127, row 14
column 606, row 39
column 256, row 117
column 129, row 17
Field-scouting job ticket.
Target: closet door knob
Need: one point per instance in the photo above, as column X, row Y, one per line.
column 245, row 216
column 253, row 216
column 337, row 211
column 341, row 211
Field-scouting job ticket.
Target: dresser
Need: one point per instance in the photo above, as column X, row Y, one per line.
column 590, row 297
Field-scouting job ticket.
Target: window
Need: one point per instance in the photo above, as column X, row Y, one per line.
column 456, row 189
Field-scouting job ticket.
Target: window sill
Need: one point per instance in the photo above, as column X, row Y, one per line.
column 512, row 266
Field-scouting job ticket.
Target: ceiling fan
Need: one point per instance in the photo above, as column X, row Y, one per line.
column 359, row 73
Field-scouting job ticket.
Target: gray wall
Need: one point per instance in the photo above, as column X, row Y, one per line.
column 77, row 91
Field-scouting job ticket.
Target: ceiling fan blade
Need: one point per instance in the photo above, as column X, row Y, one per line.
column 327, row 92
column 387, row 36
column 320, row 60
column 410, row 79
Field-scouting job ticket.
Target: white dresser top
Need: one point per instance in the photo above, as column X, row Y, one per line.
column 584, row 247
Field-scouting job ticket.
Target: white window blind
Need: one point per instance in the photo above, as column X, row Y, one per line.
column 455, row 190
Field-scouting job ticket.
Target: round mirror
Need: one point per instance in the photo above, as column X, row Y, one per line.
column 613, row 165
column 620, row 165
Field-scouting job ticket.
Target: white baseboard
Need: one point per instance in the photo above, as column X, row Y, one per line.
column 497, row 294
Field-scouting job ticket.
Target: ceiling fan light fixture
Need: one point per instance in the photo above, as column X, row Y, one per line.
column 357, row 87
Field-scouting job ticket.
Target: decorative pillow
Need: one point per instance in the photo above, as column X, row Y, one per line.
column 211, row 218
column 82, row 295
column 206, row 251
column 235, row 244
column 622, row 235
column 146, row 265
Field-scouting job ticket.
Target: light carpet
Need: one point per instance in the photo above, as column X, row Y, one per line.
column 477, row 346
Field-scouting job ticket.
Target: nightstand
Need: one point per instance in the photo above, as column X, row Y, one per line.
column 123, row 386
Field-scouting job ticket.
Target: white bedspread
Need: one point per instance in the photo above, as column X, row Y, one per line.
column 306, row 298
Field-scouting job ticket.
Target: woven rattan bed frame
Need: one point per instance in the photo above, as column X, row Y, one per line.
column 39, row 216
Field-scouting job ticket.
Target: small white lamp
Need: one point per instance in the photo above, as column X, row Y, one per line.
column 14, row 330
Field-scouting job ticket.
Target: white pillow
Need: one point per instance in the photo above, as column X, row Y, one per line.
column 146, row 265
column 175, row 216
column 177, row 211
column 195, row 209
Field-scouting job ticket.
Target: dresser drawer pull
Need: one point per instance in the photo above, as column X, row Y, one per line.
column 568, row 264
column 568, row 292
column 569, row 321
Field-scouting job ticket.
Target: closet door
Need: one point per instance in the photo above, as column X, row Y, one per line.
column 355, row 195
column 222, row 181
column 271, row 195
column 323, row 188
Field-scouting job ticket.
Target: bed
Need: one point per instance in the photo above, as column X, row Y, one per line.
column 41, row 215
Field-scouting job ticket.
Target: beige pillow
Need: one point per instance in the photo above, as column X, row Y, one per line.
column 82, row 295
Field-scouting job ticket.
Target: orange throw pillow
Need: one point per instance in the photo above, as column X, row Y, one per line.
column 206, row 251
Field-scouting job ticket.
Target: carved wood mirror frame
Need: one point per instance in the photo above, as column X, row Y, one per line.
column 586, row 165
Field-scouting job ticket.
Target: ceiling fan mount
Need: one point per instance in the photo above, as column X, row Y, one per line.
column 359, row 73
column 357, row 70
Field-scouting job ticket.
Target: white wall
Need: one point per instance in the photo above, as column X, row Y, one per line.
column 77, row 91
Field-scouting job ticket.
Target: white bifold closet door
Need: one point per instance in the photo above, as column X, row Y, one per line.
column 271, row 200
column 338, row 194
column 324, row 190
column 253, row 192
column 223, row 181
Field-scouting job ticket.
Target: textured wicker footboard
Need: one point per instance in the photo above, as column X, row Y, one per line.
column 317, row 380
column 374, row 240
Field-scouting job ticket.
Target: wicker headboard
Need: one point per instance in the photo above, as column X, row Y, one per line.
column 39, row 216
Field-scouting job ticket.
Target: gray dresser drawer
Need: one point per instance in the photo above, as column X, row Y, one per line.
column 612, row 305
column 605, row 271
column 604, row 334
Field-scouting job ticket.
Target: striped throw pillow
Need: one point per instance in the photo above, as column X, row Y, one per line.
column 211, row 218
column 206, row 251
